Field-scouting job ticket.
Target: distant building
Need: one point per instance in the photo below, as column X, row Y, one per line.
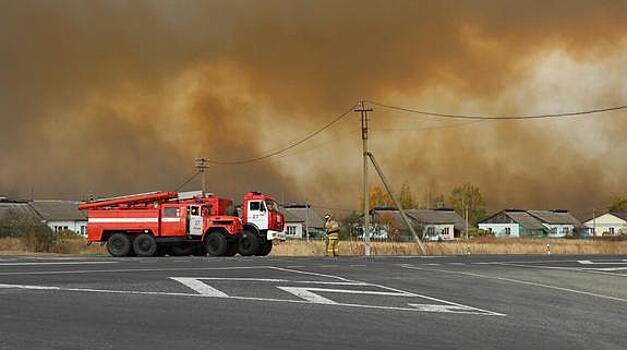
column 302, row 221
column 61, row 215
column 429, row 224
column 10, row 209
column 517, row 223
column 609, row 224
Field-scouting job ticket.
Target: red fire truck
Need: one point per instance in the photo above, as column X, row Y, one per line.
column 159, row 223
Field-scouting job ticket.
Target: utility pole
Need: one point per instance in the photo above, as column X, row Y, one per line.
column 201, row 166
column 466, row 212
column 594, row 222
column 364, row 137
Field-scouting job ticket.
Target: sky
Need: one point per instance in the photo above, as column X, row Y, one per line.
column 114, row 97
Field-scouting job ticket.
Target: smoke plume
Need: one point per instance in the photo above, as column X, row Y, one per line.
column 113, row 97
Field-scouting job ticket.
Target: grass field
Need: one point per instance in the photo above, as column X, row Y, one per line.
column 483, row 246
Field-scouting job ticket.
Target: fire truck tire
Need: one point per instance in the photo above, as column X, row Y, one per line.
column 216, row 244
column 119, row 245
column 248, row 243
column 199, row 250
column 181, row 250
column 161, row 251
column 144, row 245
column 231, row 250
column 265, row 249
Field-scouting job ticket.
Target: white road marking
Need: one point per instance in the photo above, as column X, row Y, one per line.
column 57, row 263
column 611, row 268
column 200, row 287
column 588, row 262
column 597, row 271
column 535, row 284
column 202, row 292
column 71, row 272
column 309, row 273
column 308, row 295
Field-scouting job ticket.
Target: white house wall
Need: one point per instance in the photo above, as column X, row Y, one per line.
column 445, row 232
column 498, row 230
column 604, row 222
column 558, row 231
column 293, row 230
column 76, row 226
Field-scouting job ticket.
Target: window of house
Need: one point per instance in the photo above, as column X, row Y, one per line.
column 82, row 230
column 611, row 230
column 445, row 231
column 430, row 231
column 291, row 230
column 508, row 231
column 172, row 212
column 565, row 229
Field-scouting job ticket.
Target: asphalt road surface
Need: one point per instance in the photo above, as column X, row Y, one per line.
column 499, row 302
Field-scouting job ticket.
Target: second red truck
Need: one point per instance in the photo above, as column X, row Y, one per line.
column 159, row 223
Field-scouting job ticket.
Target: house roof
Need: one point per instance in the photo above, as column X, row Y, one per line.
column 303, row 213
column 620, row 214
column 421, row 217
column 57, row 210
column 554, row 216
column 525, row 220
column 16, row 208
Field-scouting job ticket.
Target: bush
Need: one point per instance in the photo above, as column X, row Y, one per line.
column 35, row 235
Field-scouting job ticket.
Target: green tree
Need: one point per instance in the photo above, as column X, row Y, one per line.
column 468, row 196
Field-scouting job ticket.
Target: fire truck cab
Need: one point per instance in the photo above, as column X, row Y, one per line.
column 262, row 222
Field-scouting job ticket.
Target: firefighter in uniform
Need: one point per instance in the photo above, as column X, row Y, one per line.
column 333, row 231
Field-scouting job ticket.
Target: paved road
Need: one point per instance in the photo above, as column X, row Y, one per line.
column 501, row 302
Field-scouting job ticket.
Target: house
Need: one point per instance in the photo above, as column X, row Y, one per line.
column 429, row 224
column 11, row 209
column 517, row 223
column 301, row 221
column 558, row 223
column 60, row 215
column 608, row 224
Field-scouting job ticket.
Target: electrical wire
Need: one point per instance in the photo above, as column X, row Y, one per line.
column 289, row 146
column 480, row 117
column 187, row 181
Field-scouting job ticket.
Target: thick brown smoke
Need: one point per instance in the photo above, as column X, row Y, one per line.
column 112, row 97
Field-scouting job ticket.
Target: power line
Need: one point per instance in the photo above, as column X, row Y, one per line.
column 288, row 147
column 483, row 117
column 187, row 181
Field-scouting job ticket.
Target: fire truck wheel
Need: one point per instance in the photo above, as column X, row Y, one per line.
column 231, row 250
column 119, row 245
column 145, row 245
column 216, row 244
column 181, row 250
column 248, row 243
column 199, row 250
column 265, row 249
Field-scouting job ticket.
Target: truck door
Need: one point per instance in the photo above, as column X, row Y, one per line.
column 258, row 214
column 194, row 220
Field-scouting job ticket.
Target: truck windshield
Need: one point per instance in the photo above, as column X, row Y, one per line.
column 272, row 206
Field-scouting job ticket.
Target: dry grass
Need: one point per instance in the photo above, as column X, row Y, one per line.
column 484, row 246
column 12, row 246
column 478, row 247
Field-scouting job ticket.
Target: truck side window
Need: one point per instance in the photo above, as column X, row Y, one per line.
column 194, row 211
column 171, row 212
column 255, row 205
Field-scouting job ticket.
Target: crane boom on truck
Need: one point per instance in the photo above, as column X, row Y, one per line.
column 159, row 223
